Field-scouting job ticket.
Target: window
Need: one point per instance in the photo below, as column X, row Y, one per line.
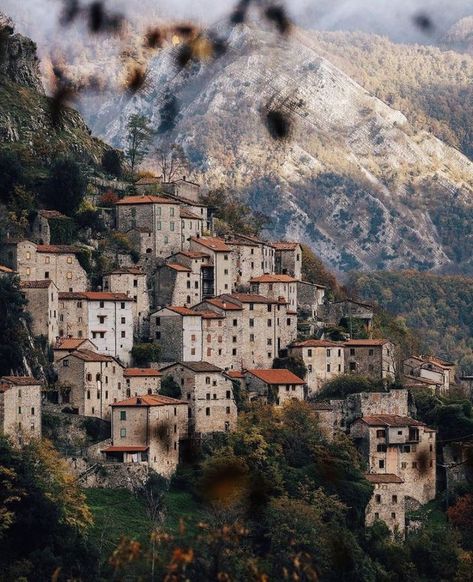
column 193, row 337
column 122, row 433
column 394, row 498
column 352, row 351
column 234, row 352
column 123, row 334
column 288, row 321
column 123, row 320
column 101, row 318
column 158, row 225
column 166, row 239
column 97, row 378
column 88, row 394
column 192, row 351
column 309, row 353
column 328, row 367
column 65, row 363
column 370, row 352
column 171, row 225
column 252, row 337
column 228, row 410
column 46, row 275
column 157, row 335
column 339, row 353
column 207, row 411
column 377, row 498
column 225, row 257
column 19, row 409
column 235, row 322
column 196, row 284
column 406, row 449
column 69, row 275
column 69, row 260
column 414, row 464
column 403, row 465
column 352, row 366
column 269, row 342
column 234, row 339
column 393, row 515
column 328, row 353
column 381, row 433
column 135, row 282
column 252, row 323
column 225, row 271
column 207, row 379
column 122, row 305
column 79, row 304
column 381, row 448
column 252, row 306
column 228, row 394
column 102, row 304
column 376, row 515
column 270, row 322
column 381, row 464
column 28, row 255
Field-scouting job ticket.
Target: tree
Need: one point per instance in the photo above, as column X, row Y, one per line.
column 314, row 271
column 169, row 387
column 111, row 163
column 12, row 173
column 461, row 516
column 139, row 136
column 172, row 163
column 294, row 364
column 346, row 384
column 145, row 353
column 66, row 186
column 13, row 326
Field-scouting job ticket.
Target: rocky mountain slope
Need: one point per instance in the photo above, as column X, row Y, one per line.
column 354, row 180
column 26, row 122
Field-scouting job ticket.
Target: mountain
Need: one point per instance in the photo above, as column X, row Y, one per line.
column 460, row 36
column 355, row 180
column 26, row 113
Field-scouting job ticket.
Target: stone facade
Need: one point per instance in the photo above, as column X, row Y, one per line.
column 67, row 345
column 38, row 262
column 288, row 259
column 323, row 359
column 209, row 394
column 142, row 381
column 20, row 408
column 103, row 317
column 178, row 330
column 402, row 446
column 279, row 386
column 220, row 259
column 373, row 358
column 247, row 261
column 387, row 503
column 96, row 381
column 146, row 429
column 158, row 215
column 430, row 370
column 43, row 306
column 342, row 311
column 40, row 227
column 277, row 287
column 310, row 298
column 132, row 282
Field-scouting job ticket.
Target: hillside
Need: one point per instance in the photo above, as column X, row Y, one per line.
column 26, row 122
column 355, row 180
column 438, row 308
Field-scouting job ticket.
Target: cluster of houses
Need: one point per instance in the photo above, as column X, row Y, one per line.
column 221, row 310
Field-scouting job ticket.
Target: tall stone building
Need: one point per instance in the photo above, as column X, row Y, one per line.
column 147, row 429
column 288, row 259
column 374, row 358
column 218, row 276
column 142, row 381
column 178, row 330
column 276, row 385
column 387, row 503
column 67, row 345
column 20, row 408
column 209, row 394
column 43, row 306
column 277, row 287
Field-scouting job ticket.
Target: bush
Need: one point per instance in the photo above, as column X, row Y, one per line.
column 112, row 163
column 349, row 384
column 169, row 387
column 66, row 186
column 145, row 353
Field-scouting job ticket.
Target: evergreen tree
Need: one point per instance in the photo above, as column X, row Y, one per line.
column 139, row 135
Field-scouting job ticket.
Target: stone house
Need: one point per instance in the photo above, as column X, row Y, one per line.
column 158, row 216
column 288, row 259
column 266, row 250
column 178, row 330
column 105, row 318
column 325, row 418
column 310, row 299
column 435, row 371
column 146, row 429
column 192, row 224
column 142, row 381
column 387, row 503
column 132, row 281
column 223, row 274
column 40, row 227
column 209, row 394
column 67, row 345
column 95, row 381
column 247, row 261
column 278, row 385
column 374, row 358
column 183, row 189
column 402, row 446
column 323, row 359
column 43, row 306
column 20, row 408
column 55, row 262
column 277, row 287
column 346, row 311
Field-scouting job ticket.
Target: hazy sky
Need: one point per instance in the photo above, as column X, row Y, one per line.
column 391, row 17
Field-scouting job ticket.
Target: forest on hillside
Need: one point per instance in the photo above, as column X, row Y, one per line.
column 437, row 307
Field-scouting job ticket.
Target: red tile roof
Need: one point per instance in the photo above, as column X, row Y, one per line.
column 57, row 249
column 222, row 304
column 141, row 372
column 390, row 420
column 198, row 367
column 315, row 343
column 210, row 315
column 285, row 246
column 277, row 376
column 235, row 374
column 383, row 478
column 149, row 400
column 193, row 254
column 273, row 279
column 95, row 296
column 184, row 311
column 253, row 298
column 125, row 449
column 21, row 380
column 89, row 356
column 178, row 267
column 44, row 284
column 145, row 199
column 70, row 343
column 366, row 342
column 213, row 243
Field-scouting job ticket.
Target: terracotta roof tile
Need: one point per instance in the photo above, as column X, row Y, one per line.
column 316, row 343
column 51, row 214
column 149, row 400
column 144, row 199
column 141, row 372
column 44, row 284
column 127, row 271
column 125, row 449
column 222, row 304
column 253, row 298
column 89, row 356
column 193, row 254
column 273, row 279
column 21, row 380
column 390, row 420
column 57, row 249
column 235, row 374
column 184, row 311
column 178, row 267
column 213, row 243
column 366, row 342
column 277, row 376
column 383, row 478
column 95, row 296
column 70, row 343
column 199, row 367
column 285, row 246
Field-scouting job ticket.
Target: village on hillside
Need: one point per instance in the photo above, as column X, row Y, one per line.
column 223, row 320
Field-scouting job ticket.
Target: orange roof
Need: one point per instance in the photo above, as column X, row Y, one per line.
column 222, row 304
column 212, row 242
column 70, row 343
column 184, row 311
column 366, row 342
column 145, row 199
column 95, row 296
column 4, row 269
column 253, row 298
column 193, row 254
column 127, row 271
column 273, row 279
column 130, row 449
column 383, row 478
column 141, row 372
column 89, row 356
column 57, row 249
column 178, row 267
column 149, row 400
column 235, row 374
column 315, row 343
column 277, row 376
column 210, row 315
column 390, row 420
column 285, row 246
column 21, row 380
column 43, row 284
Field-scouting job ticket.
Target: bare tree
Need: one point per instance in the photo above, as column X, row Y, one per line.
column 172, row 163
